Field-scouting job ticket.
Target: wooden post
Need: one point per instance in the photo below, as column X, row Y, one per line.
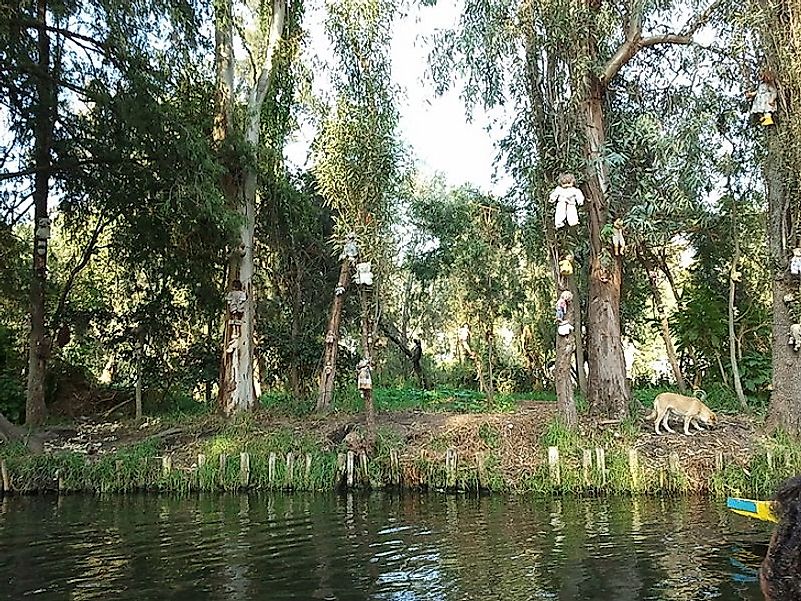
column 634, row 469
column 586, row 466
column 6, row 476
column 341, row 461
column 143, row 464
column 201, row 461
column 166, row 465
column 60, row 479
column 244, row 469
column 307, row 471
column 674, row 468
column 290, row 469
column 223, row 468
column 349, row 468
column 394, row 467
column 600, row 464
column 769, row 460
column 271, row 469
column 363, row 463
column 117, row 471
column 719, row 465
column 451, row 460
column 673, row 462
column 553, row 466
column 482, row 470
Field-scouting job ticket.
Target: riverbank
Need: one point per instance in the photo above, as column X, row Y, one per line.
column 522, row 451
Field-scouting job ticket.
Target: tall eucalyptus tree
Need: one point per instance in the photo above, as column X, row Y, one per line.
column 778, row 23
column 574, row 51
column 357, row 163
column 237, row 132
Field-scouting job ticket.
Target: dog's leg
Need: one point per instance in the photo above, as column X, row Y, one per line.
column 687, row 420
column 665, row 418
column 697, row 425
column 657, row 421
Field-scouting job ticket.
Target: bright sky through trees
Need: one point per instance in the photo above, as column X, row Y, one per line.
column 437, row 129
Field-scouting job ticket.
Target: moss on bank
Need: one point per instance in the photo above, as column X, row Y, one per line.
column 523, row 452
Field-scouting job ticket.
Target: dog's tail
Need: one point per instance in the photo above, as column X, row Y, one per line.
column 700, row 395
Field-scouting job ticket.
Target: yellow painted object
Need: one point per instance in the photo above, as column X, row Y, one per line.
column 767, row 119
column 760, row 510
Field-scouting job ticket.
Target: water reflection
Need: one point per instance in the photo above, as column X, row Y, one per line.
column 380, row 546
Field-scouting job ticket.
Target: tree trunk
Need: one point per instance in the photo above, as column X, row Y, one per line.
column 577, row 336
column 329, row 369
column 607, row 393
column 670, row 349
column 297, row 308
column 565, row 345
column 138, row 386
column 566, row 405
column 735, row 368
column 784, row 410
column 415, row 356
column 367, row 355
column 237, row 383
column 40, row 344
column 473, row 356
column 490, row 336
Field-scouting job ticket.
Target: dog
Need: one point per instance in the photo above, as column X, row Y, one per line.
column 692, row 409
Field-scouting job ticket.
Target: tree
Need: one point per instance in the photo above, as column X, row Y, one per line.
column 778, row 24
column 63, row 60
column 357, row 163
column 594, row 58
column 237, row 134
column 471, row 241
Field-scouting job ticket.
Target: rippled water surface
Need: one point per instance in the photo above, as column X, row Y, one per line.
column 380, row 546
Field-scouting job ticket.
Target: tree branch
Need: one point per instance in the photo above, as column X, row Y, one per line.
column 635, row 42
column 277, row 20
column 76, row 269
column 98, row 45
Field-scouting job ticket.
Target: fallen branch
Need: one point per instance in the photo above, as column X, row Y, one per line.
column 115, row 407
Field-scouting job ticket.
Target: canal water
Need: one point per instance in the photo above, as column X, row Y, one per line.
column 379, row 546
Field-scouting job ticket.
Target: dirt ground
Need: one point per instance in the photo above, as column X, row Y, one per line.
column 515, row 438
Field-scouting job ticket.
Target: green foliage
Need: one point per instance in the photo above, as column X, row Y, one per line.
column 12, row 392
column 285, row 403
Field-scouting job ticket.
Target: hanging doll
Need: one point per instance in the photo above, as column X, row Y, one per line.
column 350, row 250
column 364, row 379
column 795, row 336
column 618, row 242
column 566, row 197
column 566, row 265
column 364, row 274
column 764, row 99
column 795, row 262
column 564, row 328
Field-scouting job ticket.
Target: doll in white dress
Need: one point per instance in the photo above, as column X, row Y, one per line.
column 566, row 197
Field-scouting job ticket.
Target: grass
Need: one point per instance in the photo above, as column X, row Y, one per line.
column 291, row 457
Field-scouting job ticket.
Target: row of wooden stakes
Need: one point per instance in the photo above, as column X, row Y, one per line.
column 352, row 470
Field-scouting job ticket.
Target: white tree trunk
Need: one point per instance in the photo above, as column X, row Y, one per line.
column 237, row 387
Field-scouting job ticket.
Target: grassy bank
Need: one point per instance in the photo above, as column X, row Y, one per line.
column 520, row 451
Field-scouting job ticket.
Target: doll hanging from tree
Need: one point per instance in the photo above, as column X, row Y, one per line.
column 566, row 196
column 764, row 98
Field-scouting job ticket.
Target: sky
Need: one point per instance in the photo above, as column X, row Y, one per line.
column 442, row 138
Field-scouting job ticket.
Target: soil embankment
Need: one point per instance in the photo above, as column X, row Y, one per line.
column 521, row 451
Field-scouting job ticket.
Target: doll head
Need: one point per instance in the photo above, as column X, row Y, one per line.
column 566, row 180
